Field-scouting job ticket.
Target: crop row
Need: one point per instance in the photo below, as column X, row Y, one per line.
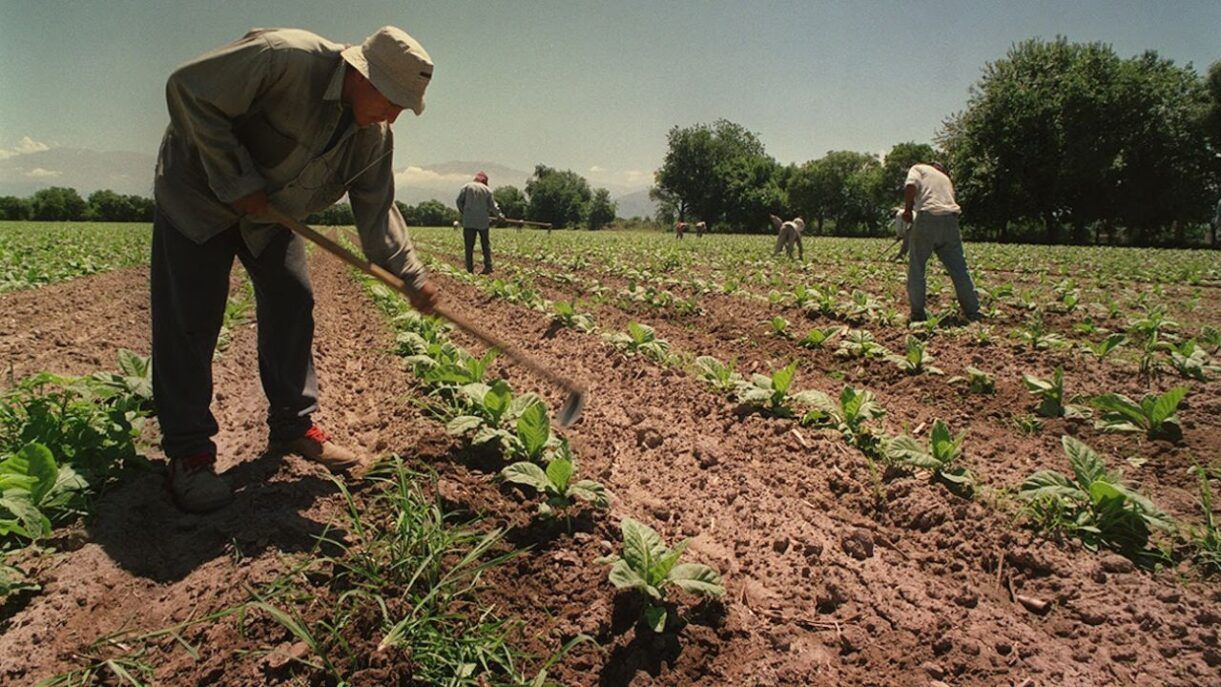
column 36, row 253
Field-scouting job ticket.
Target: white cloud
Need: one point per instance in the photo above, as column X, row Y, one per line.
column 40, row 173
column 419, row 177
column 25, row 146
column 596, row 168
column 636, row 176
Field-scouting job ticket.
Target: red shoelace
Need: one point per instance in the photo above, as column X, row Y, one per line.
column 316, row 433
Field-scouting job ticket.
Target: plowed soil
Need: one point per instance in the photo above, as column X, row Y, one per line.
column 834, row 576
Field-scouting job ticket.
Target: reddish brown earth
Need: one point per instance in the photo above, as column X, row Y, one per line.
column 832, row 578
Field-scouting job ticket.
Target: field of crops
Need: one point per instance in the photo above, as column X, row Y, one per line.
column 776, row 481
column 34, row 253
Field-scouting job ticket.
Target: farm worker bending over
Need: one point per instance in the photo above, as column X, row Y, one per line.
column 287, row 119
column 929, row 191
column 788, row 234
column 680, row 229
column 700, row 228
column 476, row 204
column 903, row 232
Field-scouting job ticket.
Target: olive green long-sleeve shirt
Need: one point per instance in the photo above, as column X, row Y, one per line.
column 264, row 113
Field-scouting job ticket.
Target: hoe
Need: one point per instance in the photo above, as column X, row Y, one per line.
column 576, row 393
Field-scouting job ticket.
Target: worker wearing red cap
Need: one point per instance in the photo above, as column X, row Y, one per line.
column 477, row 207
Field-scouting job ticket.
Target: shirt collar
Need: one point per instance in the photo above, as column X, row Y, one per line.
column 334, row 89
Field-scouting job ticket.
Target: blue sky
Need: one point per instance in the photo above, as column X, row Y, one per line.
column 590, row 86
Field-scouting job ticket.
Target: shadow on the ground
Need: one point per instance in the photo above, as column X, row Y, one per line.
column 139, row 527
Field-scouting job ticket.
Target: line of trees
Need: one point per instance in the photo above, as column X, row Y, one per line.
column 1059, row 142
column 59, row 204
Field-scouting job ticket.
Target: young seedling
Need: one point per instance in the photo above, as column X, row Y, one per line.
column 859, row 343
column 1094, row 505
column 33, row 490
column 780, row 327
column 938, row 457
column 1156, row 416
column 555, row 483
column 771, row 394
column 567, row 316
column 1107, row 346
column 491, row 414
column 1205, row 538
column 916, row 360
column 651, row 567
column 978, row 381
column 819, row 336
column 1051, row 397
column 641, row 339
column 720, row 375
column 1191, row 361
column 848, row 414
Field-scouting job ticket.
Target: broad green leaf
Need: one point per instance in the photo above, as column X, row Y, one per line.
column 624, row 576
column 589, row 490
column 1087, row 466
column 1166, row 405
column 33, row 521
column 783, row 377
column 527, row 473
column 697, row 578
column 642, row 546
column 559, row 472
column 534, row 429
column 1049, row 483
column 655, row 618
column 463, row 424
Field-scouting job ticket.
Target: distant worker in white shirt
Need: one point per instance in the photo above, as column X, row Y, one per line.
column 929, row 192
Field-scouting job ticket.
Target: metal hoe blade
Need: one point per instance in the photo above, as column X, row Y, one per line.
column 573, row 405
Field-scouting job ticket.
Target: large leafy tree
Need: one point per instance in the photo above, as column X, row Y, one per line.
column 511, row 200
column 107, row 206
column 57, row 204
column 841, row 185
column 719, row 172
column 558, row 197
column 1069, row 134
column 601, row 211
column 12, row 207
column 896, row 164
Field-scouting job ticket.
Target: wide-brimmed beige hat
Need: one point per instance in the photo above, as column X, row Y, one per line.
column 396, row 64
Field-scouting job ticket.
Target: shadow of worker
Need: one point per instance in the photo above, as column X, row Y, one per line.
column 142, row 531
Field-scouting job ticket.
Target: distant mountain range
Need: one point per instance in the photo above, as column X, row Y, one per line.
column 21, row 174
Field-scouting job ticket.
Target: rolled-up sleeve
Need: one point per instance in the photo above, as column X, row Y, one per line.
column 206, row 95
column 383, row 231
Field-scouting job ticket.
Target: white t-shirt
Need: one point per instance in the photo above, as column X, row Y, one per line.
column 934, row 192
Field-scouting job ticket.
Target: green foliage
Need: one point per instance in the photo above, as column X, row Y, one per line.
column 720, row 375
column 566, row 315
column 649, row 566
column 1051, row 396
column 36, row 253
column 859, row 343
column 601, row 209
column 1154, row 415
column 978, row 381
column 641, row 339
column 819, row 336
column 916, row 360
column 57, row 204
column 850, row 414
column 1191, row 361
column 770, row 394
column 556, row 483
column 1107, row 346
column 557, row 197
column 1094, row 504
column 937, row 457
column 512, row 201
column 780, row 327
column 1205, row 538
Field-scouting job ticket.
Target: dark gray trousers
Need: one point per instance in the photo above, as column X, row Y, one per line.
column 468, row 235
column 190, row 285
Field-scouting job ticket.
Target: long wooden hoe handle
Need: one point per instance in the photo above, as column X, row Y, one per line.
column 524, row 222
column 576, row 392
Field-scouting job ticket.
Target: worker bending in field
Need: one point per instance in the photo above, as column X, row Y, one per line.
column 680, row 229
column 788, row 234
column 700, row 228
column 477, row 206
column 928, row 195
column 286, row 119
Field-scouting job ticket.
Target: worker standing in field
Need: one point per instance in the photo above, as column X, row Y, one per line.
column 287, row 119
column 929, row 194
column 477, row 206
column 680, row 229
column 788, row 234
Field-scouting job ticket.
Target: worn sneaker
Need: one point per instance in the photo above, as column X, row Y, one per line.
column 316, row 445
column 975, row 317
column 195, row 486
column 486, row 270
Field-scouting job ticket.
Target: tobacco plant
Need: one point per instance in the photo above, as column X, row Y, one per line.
column 978, row 381
column 567, row 316
column 1205, row 538
column 720, row 375
column 937, row 457
column 641, row 339
column 1156, row 416
column 916, row 360
column 1051, row 397
column 849, row 414
column 555, row 483
column 771, row 394
column 1093, row 504
column 859, row 343
column 819, row 336
column 649, row 566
